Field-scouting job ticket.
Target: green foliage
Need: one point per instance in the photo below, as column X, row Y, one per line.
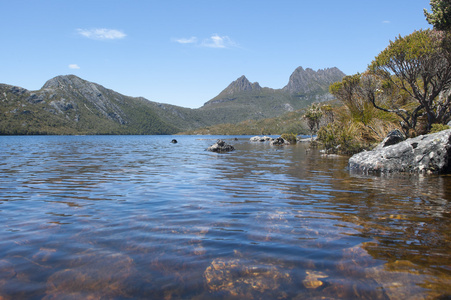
column 340, row 138
column 405, row 85
column 419, row 65
column 416, row 46
column 357, row 124
column 313, row 116
column 351, row 93
column 440, row 17
column 290, row 137
column 328, row 113
column 439, row 127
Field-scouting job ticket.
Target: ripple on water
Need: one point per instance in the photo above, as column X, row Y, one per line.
column 138, row 217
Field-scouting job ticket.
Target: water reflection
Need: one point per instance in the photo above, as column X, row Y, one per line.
column 139, row 217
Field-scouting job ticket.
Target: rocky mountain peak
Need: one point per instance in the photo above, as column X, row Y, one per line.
column 307, row 81
column 102, row 99
column 63, row 81
column 240, row 85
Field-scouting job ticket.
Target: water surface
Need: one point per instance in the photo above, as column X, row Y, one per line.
column 120, row 217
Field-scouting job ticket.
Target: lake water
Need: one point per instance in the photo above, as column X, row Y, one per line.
column 136, row 217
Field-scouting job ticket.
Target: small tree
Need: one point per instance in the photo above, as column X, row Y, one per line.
column 349, row 91
column 440, row 17
column 420, row 65
column 328, row 113
column 353, row 94
column 313, row 116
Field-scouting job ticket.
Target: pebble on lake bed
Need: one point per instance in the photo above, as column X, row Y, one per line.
column 312, row 281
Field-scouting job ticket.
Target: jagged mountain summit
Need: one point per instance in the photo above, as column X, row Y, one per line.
column 302, row 84
column 309, row 81
column 245, row 100
column 240, row 85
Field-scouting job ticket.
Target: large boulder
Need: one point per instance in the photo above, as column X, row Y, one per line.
column 220, row 146
column 426, row 153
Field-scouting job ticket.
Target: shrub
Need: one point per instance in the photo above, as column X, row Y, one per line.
column 341, row 139
column 290, row 137
column 438, row 127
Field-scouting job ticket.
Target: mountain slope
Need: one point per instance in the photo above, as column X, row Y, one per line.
column 243, row 100
column 71, row 105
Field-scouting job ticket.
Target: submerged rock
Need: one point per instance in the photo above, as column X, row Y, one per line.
column 402, row 279
column 221, row 146
column 246, row 279
column 92, row 276
column 312, row 281
column 426, row 153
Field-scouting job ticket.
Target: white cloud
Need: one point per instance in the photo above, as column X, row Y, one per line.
column 74, row 66
column 190, row 40
column 386, row 22
column 216, row 41
column 101, row 34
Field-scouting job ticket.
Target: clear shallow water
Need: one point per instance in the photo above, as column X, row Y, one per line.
column 119, row 217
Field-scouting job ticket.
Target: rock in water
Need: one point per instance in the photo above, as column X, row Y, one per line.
column 279, row 142
column 426, row 153
column 220, row 146
column 261, row 139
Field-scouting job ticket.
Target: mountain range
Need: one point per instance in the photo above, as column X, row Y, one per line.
column 70, row 105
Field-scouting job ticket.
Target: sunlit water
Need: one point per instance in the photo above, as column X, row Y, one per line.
column 121, row 217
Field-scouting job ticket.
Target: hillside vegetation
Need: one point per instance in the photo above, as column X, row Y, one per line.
column 292, row 122
column 406, row 87
column 71, row 105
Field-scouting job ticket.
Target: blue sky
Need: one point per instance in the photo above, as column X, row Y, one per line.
column 186, row 52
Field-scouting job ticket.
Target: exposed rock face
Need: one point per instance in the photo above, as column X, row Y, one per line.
column 308, row 81
column 18, row 90
column 63, row 105
column 427, row 153
column 221, row 147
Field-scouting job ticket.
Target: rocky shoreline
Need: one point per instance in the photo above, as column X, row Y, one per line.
column 423, row 154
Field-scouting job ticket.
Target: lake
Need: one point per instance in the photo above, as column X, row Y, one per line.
column 137, row 217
